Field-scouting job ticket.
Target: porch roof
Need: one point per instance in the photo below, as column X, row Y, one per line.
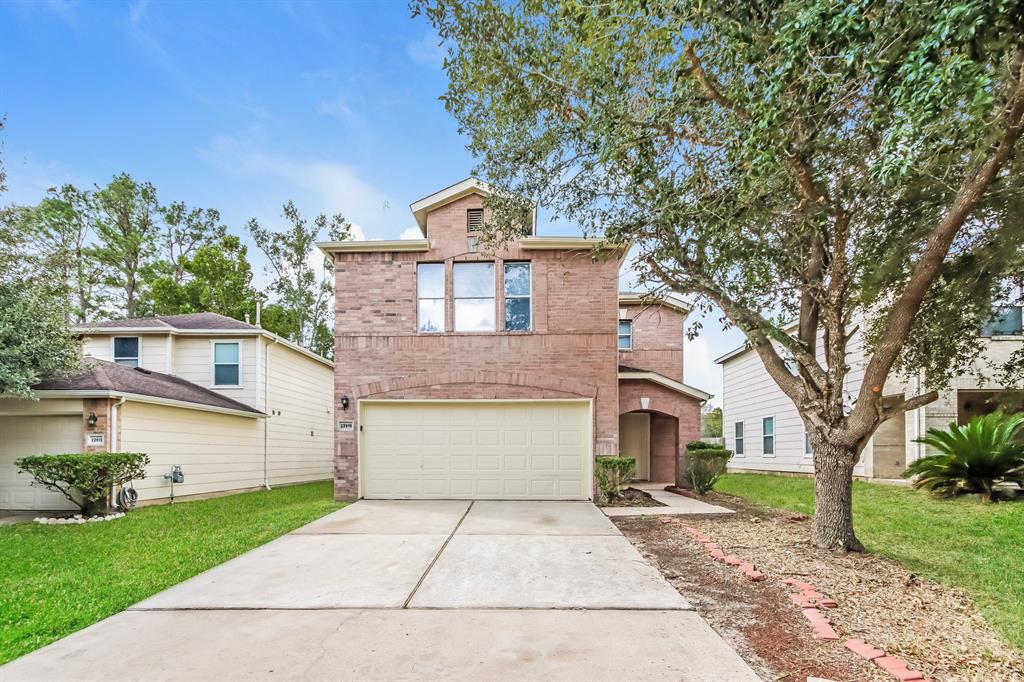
column 633, row 374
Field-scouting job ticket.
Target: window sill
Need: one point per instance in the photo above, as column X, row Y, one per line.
column 494, row 333
column 1005, row 337
column 233, row 387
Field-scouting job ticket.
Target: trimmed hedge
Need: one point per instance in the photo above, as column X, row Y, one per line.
column 612, row 473
column 86, row 479
column 705, row 464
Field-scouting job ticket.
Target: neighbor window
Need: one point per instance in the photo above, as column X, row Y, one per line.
column 126, row 350
column 430, row 290
column 738, row 438
column 474, row 297
column 1006, row 321
column 517, row 297
column 625, row 334
column 226, row 367
column 808, row 450
column 768, row 435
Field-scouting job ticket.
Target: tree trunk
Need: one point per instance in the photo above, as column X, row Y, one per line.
column 833, row 498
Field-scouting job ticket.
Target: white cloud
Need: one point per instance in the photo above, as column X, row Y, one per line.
column 337, row 107
column 411, row 233
column 317, row 186
column 700, row 368
column 426, row 51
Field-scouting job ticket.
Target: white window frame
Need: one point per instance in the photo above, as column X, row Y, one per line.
column 213, row 364
column 774, row 436
column 113, row 351
column 443, row 298
column 741, row 450
column 493, row 297
column 505, row 296
column 620, row 334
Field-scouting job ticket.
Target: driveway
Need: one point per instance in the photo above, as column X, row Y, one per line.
column 411, row 590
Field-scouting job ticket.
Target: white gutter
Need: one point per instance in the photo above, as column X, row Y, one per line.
column 266, row 422
column 138, row 397
column 113, row 424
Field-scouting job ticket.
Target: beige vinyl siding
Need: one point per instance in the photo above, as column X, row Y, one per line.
column 217, row 452
column 193, row 361
column 750, row 395
column 152, row 348
column 300, row 398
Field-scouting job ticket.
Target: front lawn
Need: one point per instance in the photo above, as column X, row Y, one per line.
column 59, row 579
column 960, row 542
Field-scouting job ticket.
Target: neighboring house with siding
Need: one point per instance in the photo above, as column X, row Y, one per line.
column 472, row 373
column 235, row 406
column 764, row 430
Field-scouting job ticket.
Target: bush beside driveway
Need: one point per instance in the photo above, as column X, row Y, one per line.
column 59, row 579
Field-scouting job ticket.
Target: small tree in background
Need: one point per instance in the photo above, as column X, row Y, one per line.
column 851, row 166
column 711, row 422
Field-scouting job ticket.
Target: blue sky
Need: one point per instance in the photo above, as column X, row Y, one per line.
column 240, row 107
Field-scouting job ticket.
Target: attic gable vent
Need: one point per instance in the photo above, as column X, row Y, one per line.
column 474, row 219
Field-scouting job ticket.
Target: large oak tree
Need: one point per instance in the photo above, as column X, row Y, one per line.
column 849, row 166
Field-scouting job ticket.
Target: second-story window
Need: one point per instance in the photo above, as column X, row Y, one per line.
column 474, row 297
column 227, row 368
column 126, row 350
column 517, row 297
column 1006, row 321
column 430, row 293
column 625, row 334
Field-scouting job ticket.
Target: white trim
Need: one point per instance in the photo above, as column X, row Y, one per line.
column 374, row 246
column 169, row 349
column 669, row 299
column 213, row 364
column 139, row 398
column 774, row 436
column 113, row 346
column 566, row 243
column 735, row 450
column 620, row 334
column 677, row 386
column 421, row 207
column 588, row 465
column 505, row 296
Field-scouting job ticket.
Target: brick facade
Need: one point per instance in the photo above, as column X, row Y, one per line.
column 569, row 352
column 657, row 339
column 101, row 407
column 675, row 420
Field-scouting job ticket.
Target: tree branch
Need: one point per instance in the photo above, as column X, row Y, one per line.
column 910, row 404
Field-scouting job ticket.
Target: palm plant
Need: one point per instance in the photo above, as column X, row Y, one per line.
column 974, row 457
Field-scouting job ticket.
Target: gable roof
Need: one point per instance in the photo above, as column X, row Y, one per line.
column 669, row 299
column 191, row 324
column 421, row 207
column 189, row 321
column 632, row 373
column 117, row 380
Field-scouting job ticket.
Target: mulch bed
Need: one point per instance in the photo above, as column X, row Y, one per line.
column 632, row 497
column 935, row 628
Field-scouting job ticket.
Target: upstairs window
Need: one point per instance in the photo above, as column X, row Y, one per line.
column 474, row 297
column 517, row 297
column 430, row 293
column 474, row 220
column 768, row 435
column 227, row 370
column 738, row 438
column 1006, row 321
column 625, row 334
column 126, row 350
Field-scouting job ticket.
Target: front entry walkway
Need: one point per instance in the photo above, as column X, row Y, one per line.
column 411, row 590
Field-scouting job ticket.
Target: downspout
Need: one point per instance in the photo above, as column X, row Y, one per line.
column 114, row 445
column 266, row 418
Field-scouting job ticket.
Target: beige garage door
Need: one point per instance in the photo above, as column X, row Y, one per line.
column 536, row 450
column 20, row 436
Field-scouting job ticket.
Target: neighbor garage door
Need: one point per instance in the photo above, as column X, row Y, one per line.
column 20, row 436
column 513, row 450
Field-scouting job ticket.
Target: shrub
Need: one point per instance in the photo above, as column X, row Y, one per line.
column 705, row 465
column 612, row 474
column 973, row 458
column 703, row 445
column 85, row 479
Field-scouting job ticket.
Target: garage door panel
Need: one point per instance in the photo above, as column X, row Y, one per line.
column 488, row 450
column 22, row 436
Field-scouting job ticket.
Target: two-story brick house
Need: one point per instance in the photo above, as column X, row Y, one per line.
column 468, row 373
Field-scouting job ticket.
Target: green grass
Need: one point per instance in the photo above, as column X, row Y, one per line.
column 960, row 542
column 59, row 579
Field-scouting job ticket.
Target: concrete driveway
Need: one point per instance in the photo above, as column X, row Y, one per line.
column 411, row 590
